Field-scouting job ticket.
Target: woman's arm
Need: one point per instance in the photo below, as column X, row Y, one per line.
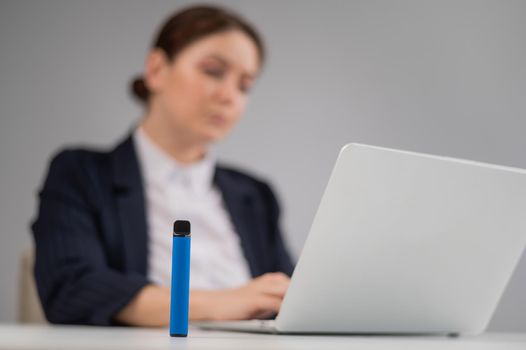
column 260, row 298
column 150, row 307
column 76, row 285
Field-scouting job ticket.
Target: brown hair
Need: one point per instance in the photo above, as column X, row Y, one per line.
column 187, row 26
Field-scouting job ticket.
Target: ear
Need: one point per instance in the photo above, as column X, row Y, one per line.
column 155, row 70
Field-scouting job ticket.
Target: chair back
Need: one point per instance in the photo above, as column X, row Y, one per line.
column 29, row 308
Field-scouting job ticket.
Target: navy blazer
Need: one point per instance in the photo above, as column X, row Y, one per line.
column 91, row 236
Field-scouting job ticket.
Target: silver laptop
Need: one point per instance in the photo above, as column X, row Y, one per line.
column 406, row 243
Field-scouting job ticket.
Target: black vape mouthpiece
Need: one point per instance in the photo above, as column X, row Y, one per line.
column 182, row 228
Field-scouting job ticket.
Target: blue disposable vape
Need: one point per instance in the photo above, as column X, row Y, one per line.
column 180, row 279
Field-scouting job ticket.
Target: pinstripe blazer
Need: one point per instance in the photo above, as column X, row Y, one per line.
column 91, row 238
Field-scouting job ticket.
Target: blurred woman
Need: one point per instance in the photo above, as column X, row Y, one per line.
column 103, row 231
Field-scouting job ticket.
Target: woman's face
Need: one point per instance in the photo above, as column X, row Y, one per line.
column 203, row 92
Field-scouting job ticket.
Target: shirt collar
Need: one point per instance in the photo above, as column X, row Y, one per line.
column 160, row 167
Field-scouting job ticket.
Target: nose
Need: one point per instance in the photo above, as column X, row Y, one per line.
column 228, row 92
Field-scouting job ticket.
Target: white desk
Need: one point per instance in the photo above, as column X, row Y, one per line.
column 14, row 337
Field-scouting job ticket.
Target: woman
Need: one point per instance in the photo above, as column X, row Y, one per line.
column 103, row 231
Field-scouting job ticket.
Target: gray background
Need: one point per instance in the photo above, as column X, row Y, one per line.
column 444, row 77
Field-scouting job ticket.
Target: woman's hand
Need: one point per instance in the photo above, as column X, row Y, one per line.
column 260, row 298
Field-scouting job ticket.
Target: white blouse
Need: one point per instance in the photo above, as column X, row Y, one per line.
column 177, row 192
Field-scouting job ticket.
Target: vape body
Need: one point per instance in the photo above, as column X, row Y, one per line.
column 180, row 281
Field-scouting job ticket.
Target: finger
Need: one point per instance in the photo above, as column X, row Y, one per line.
column 273, row 279
column 276, row 277
column 275, row 285
column 275, row 290
column 264, row 315
column 267, row 304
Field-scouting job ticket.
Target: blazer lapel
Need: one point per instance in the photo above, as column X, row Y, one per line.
column 129, row 196
column 241, row 206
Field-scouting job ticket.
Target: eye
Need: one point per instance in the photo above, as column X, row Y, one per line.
column 245, row 85
column 214, row 72
column 244, row 88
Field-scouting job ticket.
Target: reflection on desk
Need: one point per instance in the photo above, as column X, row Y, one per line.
column 14, row 337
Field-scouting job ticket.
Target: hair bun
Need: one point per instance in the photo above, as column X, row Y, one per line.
column 139, row 90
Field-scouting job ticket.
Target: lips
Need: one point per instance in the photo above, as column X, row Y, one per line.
column 218, row 119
